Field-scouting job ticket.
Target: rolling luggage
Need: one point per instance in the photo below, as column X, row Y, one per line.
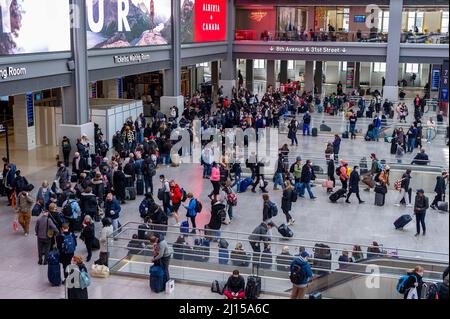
column 402, row 221
column 95, row 244
column 315, row 295
column 184, row 228
column 380, row 189
column 245, row 184
column 379, row 199
column 175, row 160
column 157, row 280
column 359, row 114
column 340, row 193
column 54, row 269
column 368, row 181
column 443, row 206
column 314, row 132
column 140, row 187
column 345, row 135
column 285, row 231
column 130, row 193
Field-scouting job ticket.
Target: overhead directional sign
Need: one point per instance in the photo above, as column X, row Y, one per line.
column 307, row 49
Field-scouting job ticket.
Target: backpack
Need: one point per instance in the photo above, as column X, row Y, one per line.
column 142, row 208
column 68, row 245
column 402, row 282
column 67, row 210
column 338, row 171
column 432, row 292
column 198, row 206
column 251, row 290
column 183, row 195
column 292, row 169
column 273, row 209
column 298, row 274
column 380, row 167
column 85, row 280
column 232, row 198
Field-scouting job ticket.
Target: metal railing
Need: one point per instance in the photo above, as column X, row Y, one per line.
column 205, row 264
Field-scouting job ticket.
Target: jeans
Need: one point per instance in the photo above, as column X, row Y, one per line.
column 357, row 195
column 429, row 134
column 294, row 139
column 115, row 224
column 420, row 220
column 278, row 180
column 165, row 159
column 376, row 131
column 207, row 170
column 288, row 216
column 308, row 188
column 411, row 144
column 352, row 131
column 148, row 182
column 306, row 129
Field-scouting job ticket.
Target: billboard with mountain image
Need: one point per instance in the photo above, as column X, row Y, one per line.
column 128, row 23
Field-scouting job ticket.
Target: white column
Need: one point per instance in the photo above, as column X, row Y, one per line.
column 24, row 135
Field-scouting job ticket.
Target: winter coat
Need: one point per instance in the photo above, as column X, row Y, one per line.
column 88, row 204
column 286, row 200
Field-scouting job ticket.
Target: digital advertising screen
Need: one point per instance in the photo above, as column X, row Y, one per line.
column 34, row 26
column 203, row 20
column 128, row 23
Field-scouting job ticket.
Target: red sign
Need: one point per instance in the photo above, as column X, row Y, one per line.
column 210, row 20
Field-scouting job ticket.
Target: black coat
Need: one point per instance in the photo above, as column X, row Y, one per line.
column 82, row 165
column 119, row 182
column 331, row 169
column 216, row 218
column 440, row 185
column 286, row 200
column 354, row 181
column 307, row 174
column 88, row 233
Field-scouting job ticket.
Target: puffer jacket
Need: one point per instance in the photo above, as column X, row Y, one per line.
column 215, row 175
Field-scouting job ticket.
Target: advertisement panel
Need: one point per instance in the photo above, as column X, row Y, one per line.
column 203, row 20
column 30, row 26
column 128, row 23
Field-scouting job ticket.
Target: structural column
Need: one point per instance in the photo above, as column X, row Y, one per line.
column 357, row 80
column 172, row 78
column 390, row 90
column 270, row 77
column 215, row 77
column 75, row 105
column 111, row 89
column 24, row 128
column 318, row 76
column 228, row 70
column 249, row 75
column 283, row 71
column 309, row 76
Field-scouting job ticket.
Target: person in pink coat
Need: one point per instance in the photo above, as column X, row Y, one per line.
column 215, row 181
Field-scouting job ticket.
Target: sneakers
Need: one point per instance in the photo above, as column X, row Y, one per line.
column 433, row 207
column 348, row 202
column 397, row 205
column 291, row 222
column 409, row 205
column 177, row 225
column 361, row 202
column 26, row 234
column 416, row 235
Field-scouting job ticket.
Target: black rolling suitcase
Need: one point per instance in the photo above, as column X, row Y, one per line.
column 285, row 231
column 379, row 199
column 254, row 285
column 402, row 221
column 140, row 187
column 340, row 193
column 130, row 193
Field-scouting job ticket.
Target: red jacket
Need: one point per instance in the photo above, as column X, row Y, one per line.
column 176, row 194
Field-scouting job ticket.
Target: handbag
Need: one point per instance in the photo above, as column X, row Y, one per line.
column 99, row 271
column 327, row 184
column 15, row 226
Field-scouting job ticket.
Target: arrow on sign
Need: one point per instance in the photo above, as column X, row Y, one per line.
column 344, row 50
column 271, row 49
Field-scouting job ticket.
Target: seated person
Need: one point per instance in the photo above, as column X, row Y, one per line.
column 344, row 259
column 421, row 158
column 374, row 250
column 266, row 257
column 181, row 249
column 239, row 257
column 224, row 254
column 135, row 246
column 303, row 253
column 235, row 287
column 284, row 260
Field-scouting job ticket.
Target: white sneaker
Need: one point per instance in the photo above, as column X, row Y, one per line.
column 177, row 225
column 26, row 234
column 292, row 222
column 409, row 205
column 398, row 205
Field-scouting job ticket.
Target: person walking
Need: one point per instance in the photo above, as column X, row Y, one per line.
column 354, row 185
column 330, row 173
column 306, row 124
column 414, row 281
column 165, row 192
column 336, row 147
column 278, row 178
column 24, row 204
column 148, row 170
column 292, row 134
column 286, row 202
column 440, row 189
column 343, row 176
column 88, row 235
column 405, row 190
column 431, row 128
column 191, row 211
column 260, row 235
column 45, row 229
column 306, row 178
column 215, row 181
column 421, row 205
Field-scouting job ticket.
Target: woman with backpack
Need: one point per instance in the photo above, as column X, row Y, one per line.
column 79, row 289
column 412, row 280
column 286, row 202
column 192, row 211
